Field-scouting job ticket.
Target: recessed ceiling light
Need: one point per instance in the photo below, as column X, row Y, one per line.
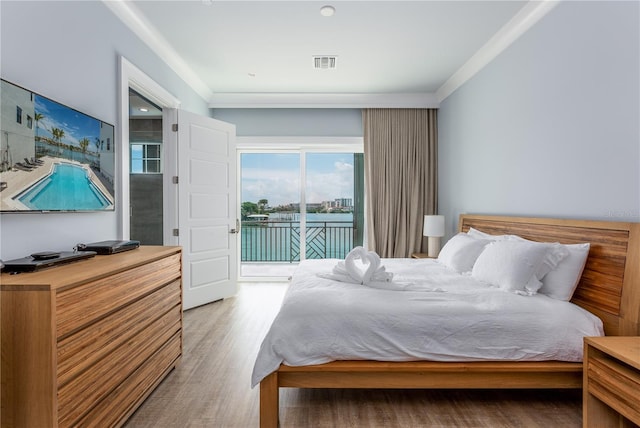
column 144, row 109
column 327, row 10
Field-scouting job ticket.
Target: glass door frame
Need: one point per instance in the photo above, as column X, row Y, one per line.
column 301, row 146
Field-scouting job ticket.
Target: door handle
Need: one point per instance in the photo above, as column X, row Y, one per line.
column 237, row 228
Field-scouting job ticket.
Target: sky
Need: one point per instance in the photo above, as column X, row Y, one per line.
column 276, row 177
column 76, row 125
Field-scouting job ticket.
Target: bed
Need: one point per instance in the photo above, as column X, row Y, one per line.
column 609, row 289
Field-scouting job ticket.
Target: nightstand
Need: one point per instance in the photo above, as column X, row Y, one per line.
column 421, row 256
column 611, row 381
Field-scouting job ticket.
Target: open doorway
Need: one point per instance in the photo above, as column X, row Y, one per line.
column 145, row 170
column 132, row 77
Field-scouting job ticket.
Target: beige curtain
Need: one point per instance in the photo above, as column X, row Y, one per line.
column 401, row 170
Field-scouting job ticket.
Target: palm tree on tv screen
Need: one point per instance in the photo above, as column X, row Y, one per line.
column 38, row 117
column 84, row 143
column 58, row 134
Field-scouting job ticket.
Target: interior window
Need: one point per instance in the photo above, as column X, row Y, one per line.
column 146, row 158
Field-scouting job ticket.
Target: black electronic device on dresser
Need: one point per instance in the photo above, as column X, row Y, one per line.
column 109, row 247
column 45, row 259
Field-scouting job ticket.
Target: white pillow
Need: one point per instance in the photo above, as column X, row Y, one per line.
column 511, row 265
column 475, row 233
column 554, row 257
column 561, row 282
column 461, row 252
column 557, row 253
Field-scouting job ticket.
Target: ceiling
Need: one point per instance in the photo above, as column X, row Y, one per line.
column 142, row 108
column 235, row 52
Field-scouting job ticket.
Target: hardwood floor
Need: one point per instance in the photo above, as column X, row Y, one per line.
column 211, row 386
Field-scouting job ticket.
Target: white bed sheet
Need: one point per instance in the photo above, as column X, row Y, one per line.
column 432, row 313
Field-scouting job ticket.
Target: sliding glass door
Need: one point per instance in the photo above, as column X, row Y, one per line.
column 297, row 205
column 329, row 205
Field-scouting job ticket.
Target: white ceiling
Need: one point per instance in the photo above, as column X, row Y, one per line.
column 238, row 52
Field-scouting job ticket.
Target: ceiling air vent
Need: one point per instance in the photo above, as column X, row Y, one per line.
column 325, row 62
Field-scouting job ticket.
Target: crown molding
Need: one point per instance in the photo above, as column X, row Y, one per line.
column 521, row 22
column 131, row 16
column 320, row 100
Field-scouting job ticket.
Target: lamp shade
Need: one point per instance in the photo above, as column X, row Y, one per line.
column 433, row 225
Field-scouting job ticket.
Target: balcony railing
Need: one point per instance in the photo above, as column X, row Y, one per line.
column 279, row 241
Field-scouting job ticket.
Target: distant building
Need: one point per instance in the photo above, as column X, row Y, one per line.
column 107, row 152
column 327, row 205
column 18, row 127
column 342, row 204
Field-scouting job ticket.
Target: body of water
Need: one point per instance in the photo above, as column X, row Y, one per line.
column 88, row 157
column 278, row 239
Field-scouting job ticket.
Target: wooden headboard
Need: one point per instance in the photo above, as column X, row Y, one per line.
column 610, row 283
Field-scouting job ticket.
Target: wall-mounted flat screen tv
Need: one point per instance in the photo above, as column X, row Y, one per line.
column 53, row 158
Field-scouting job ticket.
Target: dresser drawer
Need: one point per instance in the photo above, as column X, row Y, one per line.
column 78, row 352
column 79, row 394
column 614, row 383
column 79, row 306
column 128, row 395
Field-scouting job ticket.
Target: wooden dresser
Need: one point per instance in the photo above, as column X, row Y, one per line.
column 85, row 343
column 611, row 387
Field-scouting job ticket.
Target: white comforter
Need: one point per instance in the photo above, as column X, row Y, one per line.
column 429, row 313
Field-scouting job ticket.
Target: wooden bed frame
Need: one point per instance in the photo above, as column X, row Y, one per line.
column 609, row 288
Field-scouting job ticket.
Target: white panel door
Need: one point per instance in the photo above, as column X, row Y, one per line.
column 207, row 208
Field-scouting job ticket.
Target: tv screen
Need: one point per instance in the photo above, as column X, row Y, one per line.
column 53, row 158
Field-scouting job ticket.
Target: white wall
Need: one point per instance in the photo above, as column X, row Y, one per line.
column 321, row 122
column 551, row 127
column 68, row 51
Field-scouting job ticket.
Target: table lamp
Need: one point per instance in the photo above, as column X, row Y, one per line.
column 433, row 230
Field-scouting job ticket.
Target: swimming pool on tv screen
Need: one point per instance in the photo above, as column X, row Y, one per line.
column 67, row 188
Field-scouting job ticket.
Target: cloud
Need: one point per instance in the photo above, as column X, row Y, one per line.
column 278, row 186
column 281, row 187
column 344, row 166
column 80, row 127
column 328, row 186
